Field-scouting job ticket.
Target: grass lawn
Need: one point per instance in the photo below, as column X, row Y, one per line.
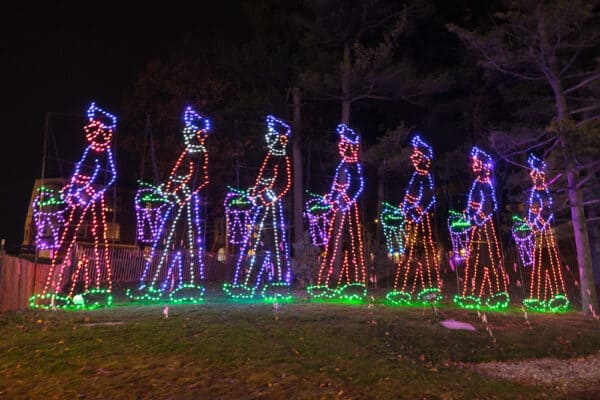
column 302, row 350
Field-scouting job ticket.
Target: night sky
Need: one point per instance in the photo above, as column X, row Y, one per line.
column 58, row 57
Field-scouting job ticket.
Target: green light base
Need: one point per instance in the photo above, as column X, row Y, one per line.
column 187, row 293
column 429, row 296
column 321, row 292
column 238, row 292
column 90, row 300
column 425, row 297
column 557, row 304
column 93, row 298
column 468, row 302
column 145, row 294
column 353, row 292
column 496, row 302
column 276, row 291
column 50, row 301
column 399, row 298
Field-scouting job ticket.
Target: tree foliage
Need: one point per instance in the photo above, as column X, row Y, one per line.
column 543, row 43
column 526, row 80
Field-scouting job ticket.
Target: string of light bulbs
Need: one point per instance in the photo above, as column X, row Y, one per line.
column 94, row 173
column 417, row 279
column 263, row 266
column 484, row 280
column 342, row 272
column 175, row 265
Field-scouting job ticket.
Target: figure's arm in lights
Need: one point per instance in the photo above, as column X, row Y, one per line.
column 283, row 179
column 411, row 204
column 203, row 165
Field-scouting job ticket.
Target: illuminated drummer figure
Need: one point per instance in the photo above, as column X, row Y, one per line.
column 547, row 287
column 523, row 236
column 48, row 214
column 151, row 204
column 263, row 266
column 417, row 278
column 238, row 210
column 176, row 265
column 84, row 196
column 392, row 223
column 484, row 281
column 342, row 270
column 460, row 233
column 317, row 211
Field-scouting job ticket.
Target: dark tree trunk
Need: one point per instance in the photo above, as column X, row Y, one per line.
column 582, row 244
column 380, row 198
column 297, row 168
column 582, row 241
column 594, row 232
column 345, row 118
column 346, row 100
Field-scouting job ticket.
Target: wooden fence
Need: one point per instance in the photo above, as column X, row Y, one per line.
column 20, row 278
column 128, row 264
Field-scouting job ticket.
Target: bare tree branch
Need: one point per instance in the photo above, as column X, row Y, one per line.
column 371, row 97
column 466, row 37
column 571, row 61
column 551, row 181
column 513, row 162
column 558, row 40
column 324, row 97
column 583, row 83
column 585, row 121
column 580, row 74
column 534, row 146
column 584, row 109
column 551, row 148
column 382, row 21
column 583, row 181
column 589, row 165
column 508, row 72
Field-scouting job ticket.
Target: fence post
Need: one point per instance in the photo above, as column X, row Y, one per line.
column 2, row 242
column 20, row 275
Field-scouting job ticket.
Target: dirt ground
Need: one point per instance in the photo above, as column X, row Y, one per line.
column 569, row 375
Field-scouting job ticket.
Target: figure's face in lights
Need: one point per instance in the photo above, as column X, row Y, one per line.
column 194, row 139
column 98, row 135
column 538, row 177
column 482, row 170
column 348, row 151
column 276, row 142
column 420, row 161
